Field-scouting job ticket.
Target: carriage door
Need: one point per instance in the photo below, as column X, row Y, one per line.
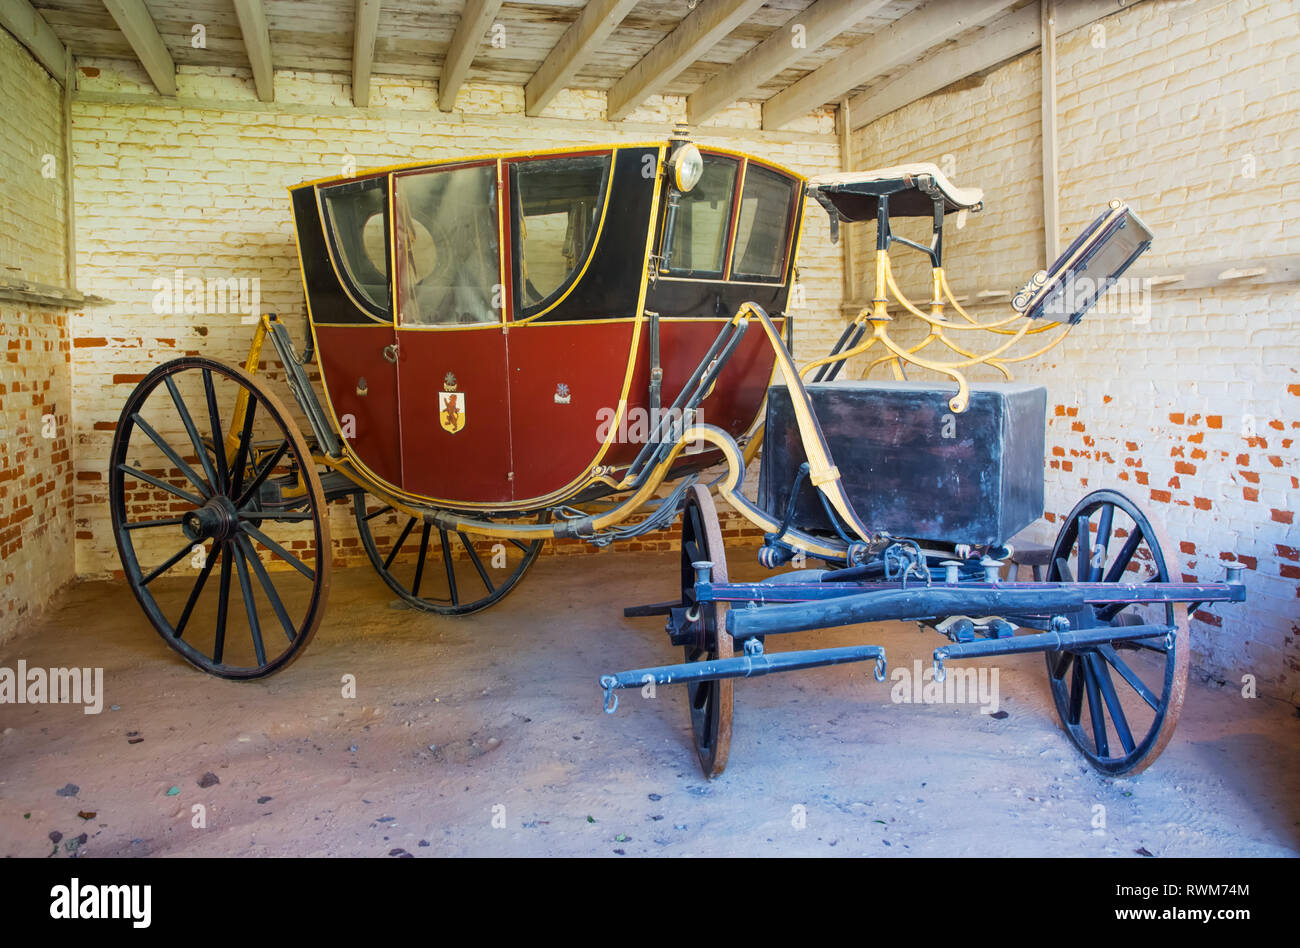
column 568, row 358
column 451, row 346
column 353, row 319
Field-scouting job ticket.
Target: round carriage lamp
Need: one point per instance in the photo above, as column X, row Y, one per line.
column 687, row 166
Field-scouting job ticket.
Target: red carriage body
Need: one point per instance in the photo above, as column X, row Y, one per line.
column 486, row 328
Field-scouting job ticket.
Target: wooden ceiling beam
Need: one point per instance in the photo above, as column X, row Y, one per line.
column 1010, row 37
column 364, row 30
column 804, row 32
column 698, row 32
column 584, row 36
column 898, row 44
column 257, row 41
column 27, row 25
column 133, row 19
column 474, row 22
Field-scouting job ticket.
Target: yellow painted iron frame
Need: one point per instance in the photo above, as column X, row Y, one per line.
column 873, row 321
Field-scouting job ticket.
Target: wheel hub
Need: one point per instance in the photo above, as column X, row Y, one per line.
column 217, row 519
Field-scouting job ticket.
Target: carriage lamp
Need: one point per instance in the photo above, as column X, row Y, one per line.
column 687, row 167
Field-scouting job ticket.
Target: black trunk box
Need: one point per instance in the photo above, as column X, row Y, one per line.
column 910, row 465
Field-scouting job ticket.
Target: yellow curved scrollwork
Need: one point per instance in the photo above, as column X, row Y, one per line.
column 873, row 324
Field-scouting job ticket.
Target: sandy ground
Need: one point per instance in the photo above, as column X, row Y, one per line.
column 509, row 702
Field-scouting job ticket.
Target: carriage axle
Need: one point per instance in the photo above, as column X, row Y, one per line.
column 216, row 519
column 815, row 606
column 899, row 604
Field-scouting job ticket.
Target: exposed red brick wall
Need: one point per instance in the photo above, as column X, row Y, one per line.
column 36, row 473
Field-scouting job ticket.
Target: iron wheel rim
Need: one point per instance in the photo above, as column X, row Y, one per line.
column 447, row 541
column 234, row 485
column 709, row 703
column 1099, row 678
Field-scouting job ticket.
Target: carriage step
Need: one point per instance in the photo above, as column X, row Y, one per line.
column 652, row 609
column 337, row 485
column 288, row 490
column 753, row 664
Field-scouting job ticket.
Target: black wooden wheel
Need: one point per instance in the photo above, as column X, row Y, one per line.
column 710, row 702
column 197, row 488
column 1119, row 702
column 437, row 570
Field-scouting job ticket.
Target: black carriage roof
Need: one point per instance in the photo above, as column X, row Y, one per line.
column 536, row 153
column 912, row 190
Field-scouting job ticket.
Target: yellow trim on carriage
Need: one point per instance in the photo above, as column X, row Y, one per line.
column 527, row 153
column 350, row 462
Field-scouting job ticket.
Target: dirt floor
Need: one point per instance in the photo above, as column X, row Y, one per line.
column 484, row 736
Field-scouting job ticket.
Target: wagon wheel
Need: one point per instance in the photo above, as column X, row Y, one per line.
column 437, row 570
column 709, row 701
column 196, row 482
column 1119, row 702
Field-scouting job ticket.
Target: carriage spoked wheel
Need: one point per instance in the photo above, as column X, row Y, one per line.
column 1119, row 702
column 218, row 514
column 437, row 570
column 710, row 702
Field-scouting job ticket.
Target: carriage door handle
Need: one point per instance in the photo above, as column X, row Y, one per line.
column 390, row 353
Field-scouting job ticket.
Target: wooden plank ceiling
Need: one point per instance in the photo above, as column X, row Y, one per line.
column 792, row 55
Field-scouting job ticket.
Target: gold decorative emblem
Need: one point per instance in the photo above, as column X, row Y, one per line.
column 451, row 405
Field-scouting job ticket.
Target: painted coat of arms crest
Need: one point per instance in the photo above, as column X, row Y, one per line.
column 451, row 405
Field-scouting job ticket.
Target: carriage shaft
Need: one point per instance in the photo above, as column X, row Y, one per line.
column 1048, row 641
column 744, row 666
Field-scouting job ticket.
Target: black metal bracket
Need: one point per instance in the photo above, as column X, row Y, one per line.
column 688, row 399
column 301, row 388
column 656, row 370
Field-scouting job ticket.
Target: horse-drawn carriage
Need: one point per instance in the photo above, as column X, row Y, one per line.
column 530, row 346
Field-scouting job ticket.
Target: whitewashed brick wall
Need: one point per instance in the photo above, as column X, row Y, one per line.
column 1189, row 112
column 31, row 169
column 36, row 487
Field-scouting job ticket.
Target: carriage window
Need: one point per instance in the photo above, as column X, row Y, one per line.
column 766, row 201
column 448, row 265
column 558, row 203
column 356, row 217
column 699, row 238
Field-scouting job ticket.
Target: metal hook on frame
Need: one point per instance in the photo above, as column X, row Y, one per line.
column 607, row 682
